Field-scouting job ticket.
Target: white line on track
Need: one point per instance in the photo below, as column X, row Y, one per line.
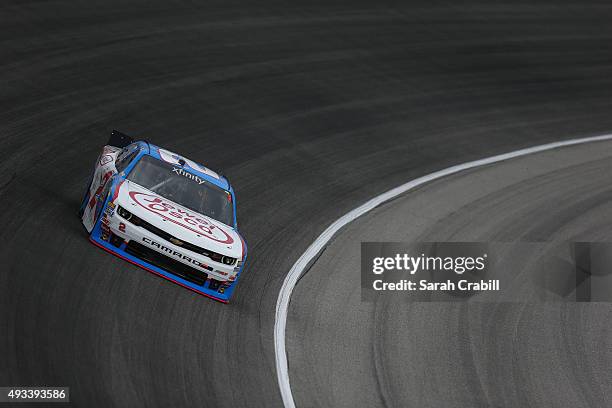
column 282, row 304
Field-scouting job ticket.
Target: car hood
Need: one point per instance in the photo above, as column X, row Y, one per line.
column 179, row 221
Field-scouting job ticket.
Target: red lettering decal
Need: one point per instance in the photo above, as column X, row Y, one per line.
column 181, row 217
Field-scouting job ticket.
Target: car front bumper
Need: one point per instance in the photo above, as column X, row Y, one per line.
column 119, row 250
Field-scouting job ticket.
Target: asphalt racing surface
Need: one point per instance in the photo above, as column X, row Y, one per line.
column 505, row 349
column 310, row 109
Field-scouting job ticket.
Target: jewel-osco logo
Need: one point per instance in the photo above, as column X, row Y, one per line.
column 185, row 219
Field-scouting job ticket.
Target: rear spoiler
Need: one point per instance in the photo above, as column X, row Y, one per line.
column 119, row 139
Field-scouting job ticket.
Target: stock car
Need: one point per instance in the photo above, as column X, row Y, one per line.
column 167, row 214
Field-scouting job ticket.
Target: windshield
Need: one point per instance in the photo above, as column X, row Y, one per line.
column 186, row 189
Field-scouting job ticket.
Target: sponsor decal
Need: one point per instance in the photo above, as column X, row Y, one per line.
column 172, row 252
column 105, row 159
column 185, row 219
column 188, row 175
column 168, row 156
column 109, row 210
column 174, row 158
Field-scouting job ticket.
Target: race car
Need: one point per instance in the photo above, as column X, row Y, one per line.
column 167, row 214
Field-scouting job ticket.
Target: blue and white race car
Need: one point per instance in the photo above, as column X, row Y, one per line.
column 167, row 214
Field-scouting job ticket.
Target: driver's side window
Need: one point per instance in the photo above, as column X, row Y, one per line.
column 125, row 158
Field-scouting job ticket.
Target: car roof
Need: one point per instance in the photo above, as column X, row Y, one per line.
column 190, row 166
